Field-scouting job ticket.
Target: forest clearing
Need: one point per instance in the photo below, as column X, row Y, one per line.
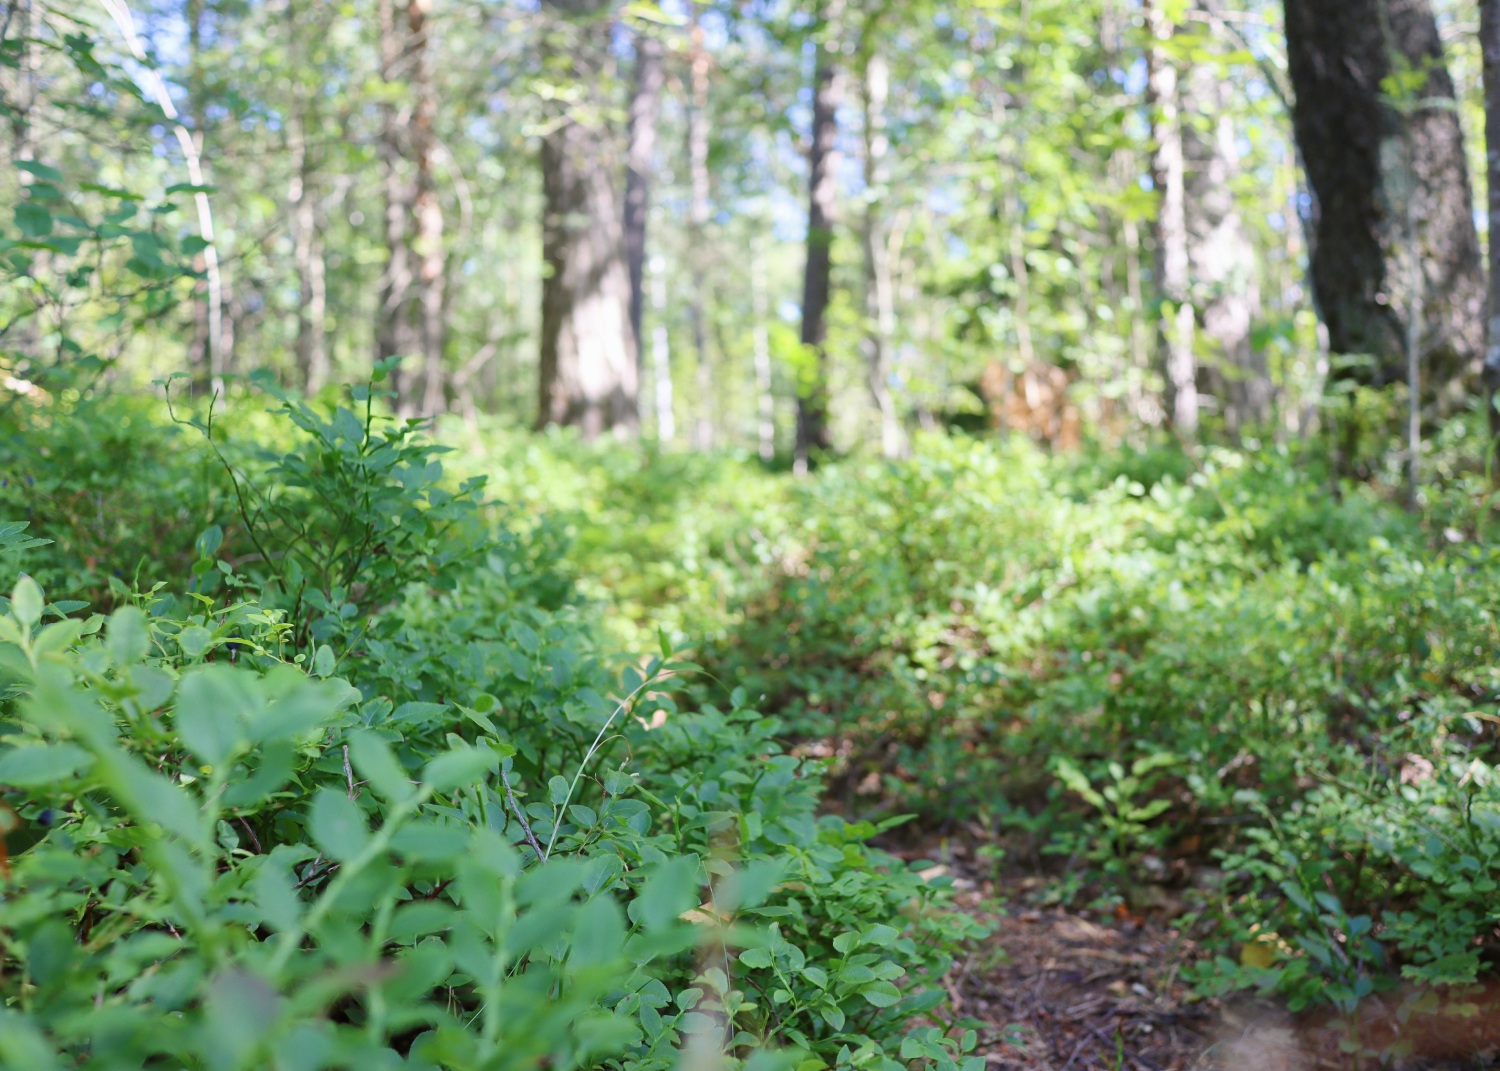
column 740, row 535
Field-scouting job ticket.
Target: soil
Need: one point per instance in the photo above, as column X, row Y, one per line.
column 1068, row 989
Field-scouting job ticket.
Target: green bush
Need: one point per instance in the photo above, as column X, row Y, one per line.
column 372, row 793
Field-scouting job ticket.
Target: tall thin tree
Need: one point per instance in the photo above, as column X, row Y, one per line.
column 1169, row 171
column 645, row 105
column 817, row 281
column 1489, row 41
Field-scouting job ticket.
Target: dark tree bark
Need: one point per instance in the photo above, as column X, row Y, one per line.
column 822, row 159
column 645, row 105
column 1489, row 40
column 1356, row 144
column 588, row 371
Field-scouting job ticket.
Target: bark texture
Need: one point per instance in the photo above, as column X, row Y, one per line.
column 645, row 106
column 822, row 159
column 1489, row 42
column 588, row 371
column 1365, row 156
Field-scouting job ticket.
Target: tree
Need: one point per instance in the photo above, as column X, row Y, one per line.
column 880, row 308
column 305, row 215
column 588, row 371
column 645, row 104
column 817, row 279
column 1169, row 172
column 699, row 209
column 1489, row 40
column 411, row 316
column 1377, row 125
column 1221, row 256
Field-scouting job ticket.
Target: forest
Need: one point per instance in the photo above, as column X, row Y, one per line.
column 745, row 535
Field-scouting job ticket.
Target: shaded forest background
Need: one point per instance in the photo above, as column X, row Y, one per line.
column 766, row 226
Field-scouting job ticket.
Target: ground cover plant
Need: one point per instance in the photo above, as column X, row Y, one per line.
column 288, row 808
column 1125, row 670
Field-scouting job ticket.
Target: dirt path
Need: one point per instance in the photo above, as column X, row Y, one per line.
column 1069, row 990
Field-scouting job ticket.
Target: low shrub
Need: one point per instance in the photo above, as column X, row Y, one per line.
column 368, row 795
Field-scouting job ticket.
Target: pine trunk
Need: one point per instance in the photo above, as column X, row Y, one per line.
column 1489, row 40
column 812, row 393
column 588, row 372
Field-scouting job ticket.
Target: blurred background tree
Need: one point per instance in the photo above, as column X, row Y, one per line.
column 781, row 228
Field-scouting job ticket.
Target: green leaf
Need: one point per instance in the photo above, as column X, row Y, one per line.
column 324, row 661
column 337, row 825
column 377, row 764
column 150, row 797
column 128, row 638
column 755, row 957
column 40, row 170
column 33, row 220
column 598, row 934
column 275, row 897
column 209, row 541
column 458, row 768
column 557, row 790
column 26, row 602
column 881, row 994
column 194, row 640
column 42, row 764
column 670, row 890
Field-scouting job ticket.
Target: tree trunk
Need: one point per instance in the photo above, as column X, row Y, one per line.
column 661, row 355
column 306, row 227
column 1354, row 143
column 822, row 159
column 412, row 288
column 765, row 424
column 1168, row 168
column 1489, row 41
column 645, row 105
column 698, row 214
column 21, row 98
column 1221, row 255
column 589, row 375
column 427, row 210
column 396, row 330
column 880, row 308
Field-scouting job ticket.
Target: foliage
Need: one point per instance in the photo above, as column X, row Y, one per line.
column 1133, row 662
column 440, row 829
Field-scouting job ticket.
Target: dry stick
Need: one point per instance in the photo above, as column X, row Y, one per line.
column 119, row 11
column 521, row 817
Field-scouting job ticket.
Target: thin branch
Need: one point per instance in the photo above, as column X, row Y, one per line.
column 521, row 817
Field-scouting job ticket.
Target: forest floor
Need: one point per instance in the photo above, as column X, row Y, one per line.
column 1070, row 989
